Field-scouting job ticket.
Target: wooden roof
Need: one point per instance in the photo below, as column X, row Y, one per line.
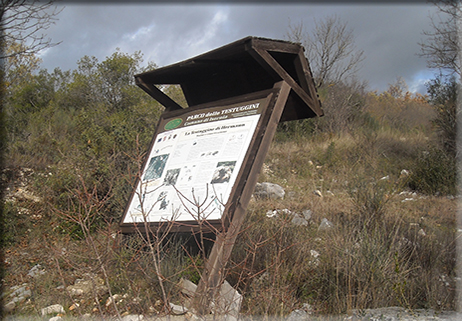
column 242, row 67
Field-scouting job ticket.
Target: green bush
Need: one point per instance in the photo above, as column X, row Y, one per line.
column 435, row 173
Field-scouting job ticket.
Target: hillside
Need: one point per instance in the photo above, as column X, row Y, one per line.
column 367, row 221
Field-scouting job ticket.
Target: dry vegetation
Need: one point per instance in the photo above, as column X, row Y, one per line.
column 389, row 245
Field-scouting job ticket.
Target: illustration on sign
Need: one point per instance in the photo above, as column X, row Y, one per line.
column 193, row 165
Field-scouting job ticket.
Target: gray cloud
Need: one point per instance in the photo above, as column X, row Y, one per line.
column 166, row 34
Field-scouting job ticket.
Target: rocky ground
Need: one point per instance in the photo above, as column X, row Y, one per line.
column 18, row 292
column 383, row 314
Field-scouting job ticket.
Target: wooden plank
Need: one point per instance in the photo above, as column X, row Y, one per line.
column 269, row 69
column 213, row 274
column 157, row 94
column 275, row 45
column 272, row 63
column 302, row 62
column 303, row 74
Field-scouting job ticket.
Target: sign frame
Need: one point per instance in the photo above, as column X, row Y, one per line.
column 248, row 169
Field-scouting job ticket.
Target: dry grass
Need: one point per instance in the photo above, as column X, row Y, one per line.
column 387, row 247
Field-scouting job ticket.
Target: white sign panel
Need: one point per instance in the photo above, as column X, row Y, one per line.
column 192, row 168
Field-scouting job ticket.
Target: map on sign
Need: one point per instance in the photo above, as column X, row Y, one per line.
column 193, row 164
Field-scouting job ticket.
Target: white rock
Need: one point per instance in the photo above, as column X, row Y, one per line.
column 307, row 214
column 407, row 200
column 36, row 271
column 315, row 255
column 111, row 299
column 178, row 309
column 21, row 291
column 55, row 308
column 88, row 286
column 325, row 225
column 317, row 193
column 271, row 213
column 9, row 306
column 299, row 220
column 57, row 318
column 132, row 317
column 276, row 213
column 404, row 173
column 187, row 287
column 307, row 307
column 229, row 302
column 297, row 315
column 268, row 190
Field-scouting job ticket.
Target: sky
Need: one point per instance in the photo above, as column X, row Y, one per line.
column 389, row 34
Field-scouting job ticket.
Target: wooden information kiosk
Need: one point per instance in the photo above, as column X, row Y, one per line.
column 212, row 151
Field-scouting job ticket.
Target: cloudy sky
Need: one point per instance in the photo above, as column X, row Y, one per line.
column 387, row 33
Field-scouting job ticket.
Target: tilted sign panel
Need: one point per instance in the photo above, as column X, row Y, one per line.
column 193, row 164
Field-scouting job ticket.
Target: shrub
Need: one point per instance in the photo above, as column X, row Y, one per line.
column 435, row 173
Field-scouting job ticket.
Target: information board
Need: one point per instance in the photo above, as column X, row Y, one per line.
column 193, row 163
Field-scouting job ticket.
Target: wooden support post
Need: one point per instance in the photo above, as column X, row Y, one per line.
column 214, row 271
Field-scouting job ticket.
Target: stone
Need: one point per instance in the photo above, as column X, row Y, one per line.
column 404, row 173
column 21, row 291
column 23, row 194
column 9, row 307
column 301, row 314
column 74, row 306
column 299, row 220
column 36, row 271
column 277, row 213
column 178, row 309
column 18, row 295
column 133, row 317
column 57, row 318
column 402, row 314
column 55, row 308
column 325, row 225
column 315, row 258
column 268, row 190
column 187, row 287
column 297, row 315
column 228, row 302
column 307, row 214
column 87, row 287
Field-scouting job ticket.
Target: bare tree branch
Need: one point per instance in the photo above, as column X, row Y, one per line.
column 330, row 49
column 442, row 46
column 23, row 21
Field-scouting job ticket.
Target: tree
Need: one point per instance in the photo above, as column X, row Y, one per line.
column 330, row 49
column 442, row 52
column 442, row 46
column 19, row 68
column 398, row 89
column 22, row 21
column 443, row 97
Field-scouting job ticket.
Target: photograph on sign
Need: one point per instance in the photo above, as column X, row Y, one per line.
column 193, row 164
